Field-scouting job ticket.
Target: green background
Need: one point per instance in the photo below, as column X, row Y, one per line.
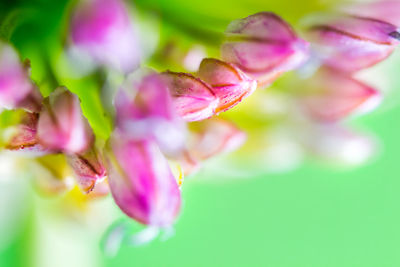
column 315, row 216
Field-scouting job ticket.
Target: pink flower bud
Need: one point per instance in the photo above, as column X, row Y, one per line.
column 16, row 89
column 228, row 83
column 192, row 98
column 88, row 168
column 24, row 139
column 385, row 10
column 142, row 183
column 62, row 125
column 215, row 136
column 330, row 95
column 144, row 109
column 103, row 30
column 351, row 43
column 263, row 46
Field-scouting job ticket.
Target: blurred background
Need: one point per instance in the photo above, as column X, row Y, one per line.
column 285, row 209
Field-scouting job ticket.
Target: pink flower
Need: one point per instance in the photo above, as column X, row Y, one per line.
column 385, row 10
column 215, row 136
column 350, row 43
column 144, row 109
column 263, row 46
column 228, row 83
column 89, row 168
column 193, row 99
column 16, row 88
column 103, row 30
column 142, row 183
column 24, row 138
column 62, row 125
column 330, row 95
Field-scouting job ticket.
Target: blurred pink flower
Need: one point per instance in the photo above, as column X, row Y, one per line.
column 330, row 95
column 349, row 43
column 103, row 30
column 263, row 46
column 142, row 183
column 62, row 125
column 213, row 137
column 228, row 83
column 16, row 88
column 144, row 109
column 385, row 10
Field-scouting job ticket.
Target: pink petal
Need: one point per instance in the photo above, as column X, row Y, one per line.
column 193, row 99
column 142, row 183
column 103, row 30
column 62, row 125
column 215, row 136
column 16, row 89
column 352, row 43
column 228, row 83
column 150, row 113
column 88, row 168
column 264, row 46
column 330, row 95
column 24, row 139
column 385, row 10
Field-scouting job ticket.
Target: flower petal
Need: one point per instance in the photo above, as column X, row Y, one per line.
column 215, row 136
column 385, row 10
column 16, row 89
column 264, row 46
column 24, row 138
column 352, row 43
column 193, row 99
column 88, row 168
column 228, row 83
column 330, row 95
column 103, row 30
column 62, row 125
column 150, row 112
column 142, row 183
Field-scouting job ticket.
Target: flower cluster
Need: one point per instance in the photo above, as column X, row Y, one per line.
column 171, row 116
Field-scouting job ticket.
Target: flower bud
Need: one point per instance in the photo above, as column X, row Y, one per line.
column 330, row 95
column 62, row 125
column 144, row 109
column 385, row 10
column 192, row 98
column 142, row 183
column 103, row 30
column 263, row 46
column 350, row 43
column 228, row 83
column 16, row 88
column 88, row 168
column 24, row 138
column 213, row 137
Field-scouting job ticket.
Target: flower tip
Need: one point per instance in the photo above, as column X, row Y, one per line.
column 192, row 98
column 372, row 101
column 395, row 35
